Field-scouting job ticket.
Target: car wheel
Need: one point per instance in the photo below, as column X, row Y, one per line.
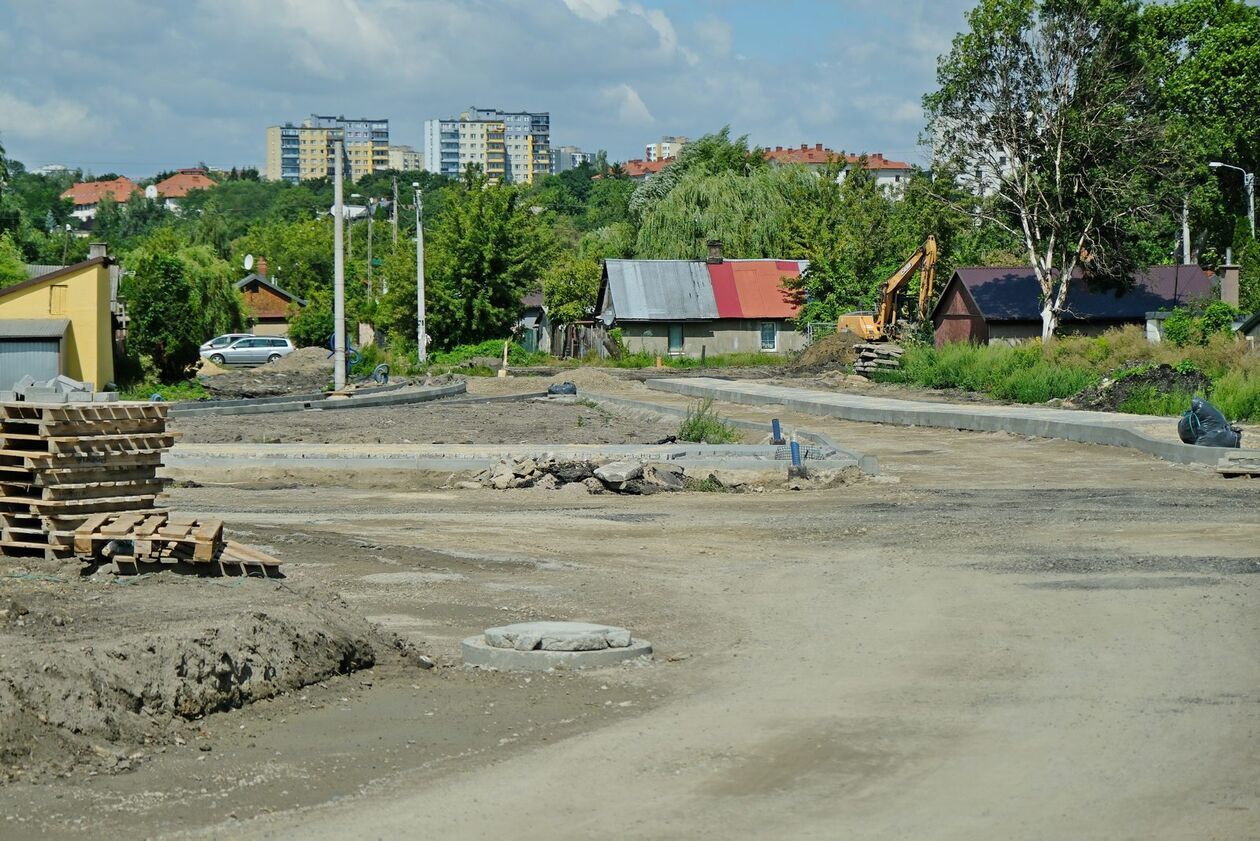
column 217, row 358
column 273, row 357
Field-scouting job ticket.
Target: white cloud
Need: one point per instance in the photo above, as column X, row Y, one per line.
column 593, row 10
column 37, row 121
column 631, row 109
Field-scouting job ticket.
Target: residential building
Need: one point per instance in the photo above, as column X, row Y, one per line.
column 405, row 159
column 888, row 173
column 86, row 195
column 268, row 304
column 511, row 146
column 996, row 305
column 565, row 158
column 692, row 307
column 638, row 170
column 59, row 322
column 666, row 147
column 179, row 185
column 51, row 169
column 297, row 153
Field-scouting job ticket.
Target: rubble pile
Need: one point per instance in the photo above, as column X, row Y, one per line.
column 549, row 473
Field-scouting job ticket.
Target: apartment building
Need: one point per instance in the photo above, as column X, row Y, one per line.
column 565, row 158
column 665, row 148
column 405, row 159
column 298, row 152
column 509, row 146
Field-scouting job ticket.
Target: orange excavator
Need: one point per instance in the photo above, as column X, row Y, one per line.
column 883, row 324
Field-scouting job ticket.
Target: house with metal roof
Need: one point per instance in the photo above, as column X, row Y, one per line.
column 986, row 305
column 268, row 304
column 695, row 307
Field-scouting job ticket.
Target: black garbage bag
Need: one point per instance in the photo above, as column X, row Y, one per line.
column 562, row 388
column 1204, row 425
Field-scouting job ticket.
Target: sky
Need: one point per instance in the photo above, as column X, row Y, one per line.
column 139, row 87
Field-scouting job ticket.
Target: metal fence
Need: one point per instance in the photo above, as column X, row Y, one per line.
column 816, row 330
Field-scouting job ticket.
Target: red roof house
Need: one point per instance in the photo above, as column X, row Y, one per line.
column 183, row 182
column 86, row 195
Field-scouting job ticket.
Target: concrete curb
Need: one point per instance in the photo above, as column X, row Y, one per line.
column 868, row 464
column 1068, row 424
column 200, row 405
column 270, row 405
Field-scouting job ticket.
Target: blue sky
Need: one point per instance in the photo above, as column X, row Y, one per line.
column 137, row 86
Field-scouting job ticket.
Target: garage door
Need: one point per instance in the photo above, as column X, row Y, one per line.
column 41, row 358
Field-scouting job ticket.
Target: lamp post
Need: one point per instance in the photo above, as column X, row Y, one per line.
column 350, row 227
column 422, row 338
column 339, row 276
column 371, row 206
column 1249, row 184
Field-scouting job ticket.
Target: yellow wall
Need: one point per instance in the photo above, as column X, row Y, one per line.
column 87, row 351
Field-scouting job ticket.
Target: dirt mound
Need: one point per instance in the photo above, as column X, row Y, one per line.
column 828, row 354
column 1114, row 392
column 93, row 673
column 307, row 370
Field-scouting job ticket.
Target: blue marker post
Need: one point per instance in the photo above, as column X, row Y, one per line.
column 797, row 469
column 776, row 433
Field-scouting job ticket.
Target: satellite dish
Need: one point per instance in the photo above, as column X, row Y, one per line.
column 150, row 192
column 249, row 262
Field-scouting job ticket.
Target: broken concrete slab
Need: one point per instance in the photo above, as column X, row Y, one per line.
column 617, row 472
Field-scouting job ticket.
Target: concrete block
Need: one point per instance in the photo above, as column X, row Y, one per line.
column 8, row 396
column 557, row 636
column 45, row 395
column 480, row 655
column 105, row 396
column 618, row 472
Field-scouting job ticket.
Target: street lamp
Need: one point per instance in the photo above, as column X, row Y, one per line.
column 350, row 226
column 1249, row 184
column 422, row 338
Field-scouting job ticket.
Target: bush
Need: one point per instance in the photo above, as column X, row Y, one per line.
column 493, row 348
column 1237, row 394
column 185, row 390
column 703, row 424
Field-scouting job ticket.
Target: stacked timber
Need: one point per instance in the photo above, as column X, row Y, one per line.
column 61, row 463
column 877, row 356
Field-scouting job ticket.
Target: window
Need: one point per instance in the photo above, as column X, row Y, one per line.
column 675, row 338
column 769, row 335
column 278, row 343
column 57, row 299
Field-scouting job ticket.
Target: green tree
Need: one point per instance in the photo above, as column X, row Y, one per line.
column 570, row 284
column 12, row 264
column 299, row 254
column 485, row 252
column 1046, row 103
column 177, row 297
column 712, row 154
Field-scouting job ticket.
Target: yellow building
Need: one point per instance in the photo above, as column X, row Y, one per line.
column 59, row 323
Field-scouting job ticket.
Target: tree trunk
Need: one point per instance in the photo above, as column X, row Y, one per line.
column 1049, row 322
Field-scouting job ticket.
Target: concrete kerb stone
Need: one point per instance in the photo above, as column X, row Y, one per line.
column 270, row 405
column 1067, row 424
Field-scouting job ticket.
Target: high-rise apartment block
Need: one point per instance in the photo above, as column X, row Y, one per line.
column 565, row 158
column 510, row 146
column 296, row 153
column 665, row 148
column 405, row 159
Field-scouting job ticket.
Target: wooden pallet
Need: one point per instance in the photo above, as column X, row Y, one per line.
column 1234, row 466
column 143, row 541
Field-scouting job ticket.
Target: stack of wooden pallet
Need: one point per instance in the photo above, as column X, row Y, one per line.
column 60, row 463
column 137, row 541
column 877, row 356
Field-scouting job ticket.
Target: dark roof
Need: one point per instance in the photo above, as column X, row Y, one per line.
column 284, row 293
column 1012, row 293
column 33, row 328
column 1250, row 324
column 68, row 270
column 534, row 300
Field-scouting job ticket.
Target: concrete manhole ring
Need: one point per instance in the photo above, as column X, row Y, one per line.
column 538, row 646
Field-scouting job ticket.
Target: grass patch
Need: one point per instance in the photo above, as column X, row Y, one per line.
column 742, row 359
column 185, row 390
column 701, row 423
column 1036, row 373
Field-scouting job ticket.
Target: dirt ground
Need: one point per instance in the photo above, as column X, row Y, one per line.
column 1002, row 638
column 516, row 422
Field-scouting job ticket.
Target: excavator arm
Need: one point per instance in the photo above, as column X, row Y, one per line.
column 924, row 258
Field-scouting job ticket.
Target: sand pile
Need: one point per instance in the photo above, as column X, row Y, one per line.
column 307, row 370
column 832, row 353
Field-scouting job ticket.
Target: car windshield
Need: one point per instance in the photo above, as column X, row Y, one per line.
column 223, row 341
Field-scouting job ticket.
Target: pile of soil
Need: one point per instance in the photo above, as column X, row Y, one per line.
column 1110, row 394
column 307, row 370
column 92, row 673
column 832, row 353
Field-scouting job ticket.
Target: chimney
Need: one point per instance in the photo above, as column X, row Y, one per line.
column 715, row 254
column 1228, row 275
column 818, row 147
column 97, row 249
column 804, row 146
column 260, row 266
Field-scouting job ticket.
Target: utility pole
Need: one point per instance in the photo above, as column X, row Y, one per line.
column 339, row 276
column 422, row 337
column 1185, row 230
column 371, row 213
column 394, row 209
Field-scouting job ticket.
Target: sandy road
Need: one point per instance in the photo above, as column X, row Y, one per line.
column 992, row 652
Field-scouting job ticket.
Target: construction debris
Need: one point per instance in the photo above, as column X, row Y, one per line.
column 625, row 477
column 1239, row 464
column 877, row 356
column 59, row 389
